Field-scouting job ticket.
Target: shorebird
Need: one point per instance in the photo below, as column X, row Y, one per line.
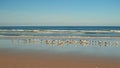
column 60, row 43
column 83, row 42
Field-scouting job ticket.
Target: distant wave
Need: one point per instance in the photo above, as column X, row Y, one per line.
column 60, row 30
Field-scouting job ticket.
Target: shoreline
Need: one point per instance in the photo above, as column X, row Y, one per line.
column 29, row 59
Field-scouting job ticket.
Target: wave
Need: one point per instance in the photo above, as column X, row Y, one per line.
column 21, row 30
column 60, row 32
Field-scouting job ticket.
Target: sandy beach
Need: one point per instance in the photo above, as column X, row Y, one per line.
column 26, row 59
column 59, row 33
column 11, row 58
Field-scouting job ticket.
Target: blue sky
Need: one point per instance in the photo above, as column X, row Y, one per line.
column 60, row 12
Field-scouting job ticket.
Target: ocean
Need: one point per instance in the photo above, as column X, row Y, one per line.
column 60, row 27
column 96, row 41
column 60, row 31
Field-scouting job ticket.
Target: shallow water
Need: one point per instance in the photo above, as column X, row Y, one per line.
column 96, row 47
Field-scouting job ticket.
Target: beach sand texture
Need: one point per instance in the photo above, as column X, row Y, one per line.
column 47, row 60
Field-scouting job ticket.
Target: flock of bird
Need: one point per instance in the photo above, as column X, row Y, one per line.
column 62, row 42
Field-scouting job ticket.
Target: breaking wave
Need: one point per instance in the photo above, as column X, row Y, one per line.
column 60, row 32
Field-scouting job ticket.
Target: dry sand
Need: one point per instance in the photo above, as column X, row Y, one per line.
column 46, row 60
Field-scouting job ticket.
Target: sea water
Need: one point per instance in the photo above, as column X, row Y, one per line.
column 60, row 30
column 101, row 41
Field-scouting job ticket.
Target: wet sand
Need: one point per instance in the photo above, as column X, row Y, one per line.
column 27, row 59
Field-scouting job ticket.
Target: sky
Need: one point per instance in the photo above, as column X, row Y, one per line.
column 60, row 12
